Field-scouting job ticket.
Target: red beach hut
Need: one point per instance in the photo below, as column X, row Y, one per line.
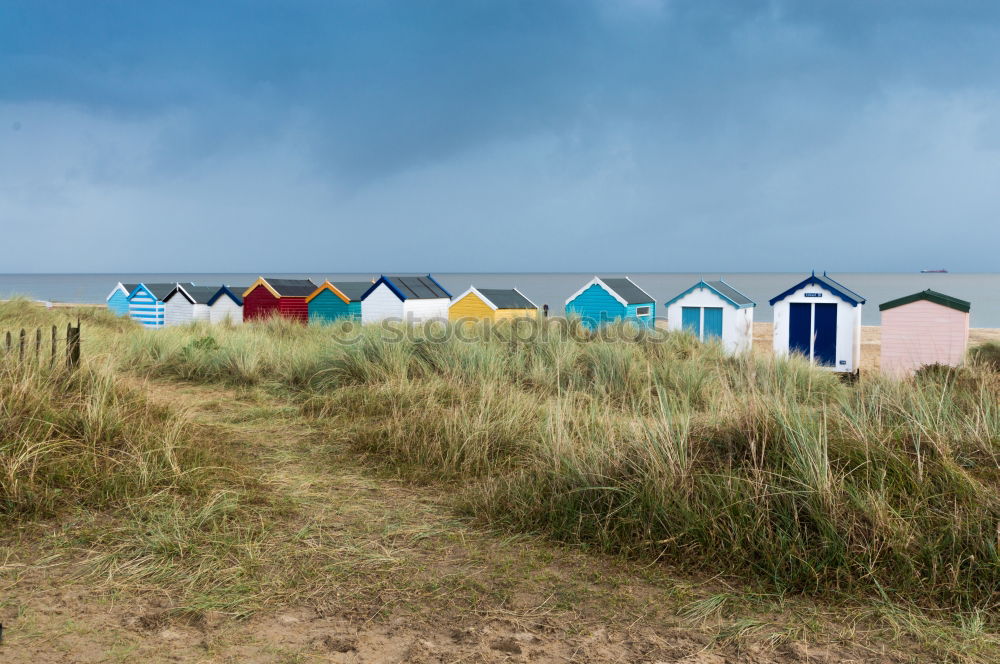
column 278, row 297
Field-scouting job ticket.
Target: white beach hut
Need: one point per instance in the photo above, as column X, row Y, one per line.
column 187, row 304
column 714, row 310
column 820, row 319
column 226, row 305
column 406, row 298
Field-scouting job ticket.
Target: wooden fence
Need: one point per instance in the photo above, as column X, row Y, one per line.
column 33, row 347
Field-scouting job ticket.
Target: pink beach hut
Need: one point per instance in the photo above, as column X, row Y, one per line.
column 921, row 329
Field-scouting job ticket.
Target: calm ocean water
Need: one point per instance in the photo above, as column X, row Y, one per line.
column 983, row 290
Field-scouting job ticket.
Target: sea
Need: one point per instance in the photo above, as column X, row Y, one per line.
column 982, row 290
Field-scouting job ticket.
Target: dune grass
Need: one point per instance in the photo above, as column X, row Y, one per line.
column 664, row 449
column 83, row 439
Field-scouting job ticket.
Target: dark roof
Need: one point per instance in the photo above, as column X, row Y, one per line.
column 352, row 289
column 628, row 291
column 160, row 291
column 130, row 287
column 506, row 298
column 930, row 296
column 414, row 288
column 201, row 294
column 291, row 287
column 727, row 291
column 835, row 287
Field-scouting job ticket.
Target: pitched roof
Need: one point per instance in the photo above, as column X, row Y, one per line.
column 199, row 294
column 505, row 298
column 826, row 282
column 627, row 290
column 348, row 291
column 283, row 287
column 231, row 291
column 930, row 296
column 292, row 287
column 160, row 291
column 723, row 290
column 411, row 287
column 128, row 288
column 352, row 289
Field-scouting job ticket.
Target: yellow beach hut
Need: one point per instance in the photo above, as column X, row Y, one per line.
column 491, row 304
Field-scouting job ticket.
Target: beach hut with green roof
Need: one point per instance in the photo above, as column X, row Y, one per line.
column 923, row 329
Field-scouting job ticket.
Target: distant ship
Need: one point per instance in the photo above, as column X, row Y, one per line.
column 942, row 271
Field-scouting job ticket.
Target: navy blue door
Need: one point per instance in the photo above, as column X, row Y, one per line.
column 825, row 346
column 800, row 327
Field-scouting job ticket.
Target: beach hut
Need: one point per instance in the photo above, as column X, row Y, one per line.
column 117, row 299
column 337, row 301
column 820, row 319
column 492, row 304
column 187, row 304
column 605, row 300
column 410, row 298
column 226, row 306
column 714, row 310
column 921, row 329
column 278, row 297
column 145, row 303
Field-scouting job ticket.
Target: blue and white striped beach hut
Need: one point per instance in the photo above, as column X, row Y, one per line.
column 145, row 303
column 117, row 299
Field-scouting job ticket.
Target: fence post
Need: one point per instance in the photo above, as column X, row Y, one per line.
column 9, row 344
column 23, row 338
column 38, row 346
column 73, row 345
column 52, row 359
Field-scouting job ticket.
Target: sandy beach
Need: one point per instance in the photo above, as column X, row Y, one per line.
column 871, row 336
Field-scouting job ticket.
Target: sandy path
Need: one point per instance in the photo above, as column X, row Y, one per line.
column 389, row 574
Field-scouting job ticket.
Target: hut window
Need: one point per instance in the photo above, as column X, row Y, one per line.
column 642, row 311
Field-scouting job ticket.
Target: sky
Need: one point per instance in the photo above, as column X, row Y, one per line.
column 499, row 135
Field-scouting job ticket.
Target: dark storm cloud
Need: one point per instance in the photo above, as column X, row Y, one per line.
column 568, row 124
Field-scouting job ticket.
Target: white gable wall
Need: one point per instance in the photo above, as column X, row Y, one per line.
column 848, row 326
column 419, row 311
column 224, row 309
column 178, row 311
column 382, row 304
column 737, row 324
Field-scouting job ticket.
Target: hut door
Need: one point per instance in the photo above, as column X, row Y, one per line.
column 800, row 328
column 825, row 345
column 713, row 323
column 691, row 320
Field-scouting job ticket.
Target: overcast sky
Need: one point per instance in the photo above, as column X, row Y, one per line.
column 499, row 135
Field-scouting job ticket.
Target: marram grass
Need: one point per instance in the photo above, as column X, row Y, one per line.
column 83, row 439
column 670, row 450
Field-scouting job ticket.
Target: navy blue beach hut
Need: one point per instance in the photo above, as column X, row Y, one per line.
column 605, row 300
column 819, row 318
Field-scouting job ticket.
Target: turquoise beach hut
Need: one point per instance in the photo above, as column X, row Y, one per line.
column 605, row 300
column 117, row 299
column 339, row 300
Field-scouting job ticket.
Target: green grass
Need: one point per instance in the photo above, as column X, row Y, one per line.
column 762, row 468
column 84, row 439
